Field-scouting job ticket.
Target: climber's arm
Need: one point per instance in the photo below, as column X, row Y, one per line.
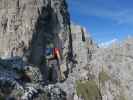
column 58, row 55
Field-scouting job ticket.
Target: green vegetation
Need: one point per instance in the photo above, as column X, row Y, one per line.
column 50, row 45
column 2, row 97
column 122, row 97
column 19, row 93
column 116, row 82
column 88, row 90
column 103, row 76
column 45, row 96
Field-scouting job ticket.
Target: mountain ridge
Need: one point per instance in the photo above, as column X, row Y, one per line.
column 29, row 27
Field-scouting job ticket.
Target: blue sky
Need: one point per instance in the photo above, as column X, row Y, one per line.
column 104, row 19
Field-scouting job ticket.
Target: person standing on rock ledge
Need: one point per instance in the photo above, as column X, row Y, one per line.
column 51, row 55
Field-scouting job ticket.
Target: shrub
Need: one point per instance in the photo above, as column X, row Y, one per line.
column 103, row 76
column 88, row 90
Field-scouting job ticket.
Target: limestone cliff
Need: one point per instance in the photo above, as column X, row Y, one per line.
column 32, row 24
column 112, row 68
column 28, row 27
column 83, row 48
column 109, row 74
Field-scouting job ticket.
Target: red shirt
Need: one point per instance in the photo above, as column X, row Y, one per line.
column 55, row 50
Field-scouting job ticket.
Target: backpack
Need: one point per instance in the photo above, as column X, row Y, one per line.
column 48, row 51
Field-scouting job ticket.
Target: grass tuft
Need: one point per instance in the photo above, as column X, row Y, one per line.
column 88, row 90
column 103, row 77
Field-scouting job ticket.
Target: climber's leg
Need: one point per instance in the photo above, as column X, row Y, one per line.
column 55, row 74
column 62, row 74
column 53, row 71
column 50, row 73
column 44, row 71
column 60, row 71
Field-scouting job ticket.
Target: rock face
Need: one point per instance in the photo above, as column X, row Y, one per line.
column 112, row 69
column 83, row 45
column 83, row 48
column 32, row 24
column 28, row 27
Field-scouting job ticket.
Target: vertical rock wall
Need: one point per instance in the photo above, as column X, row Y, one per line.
column 17, row 21
column 32, row 24
column 83, row 46
column 52, row 27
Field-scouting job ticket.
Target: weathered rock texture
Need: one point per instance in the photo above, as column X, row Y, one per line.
column 83, row 48
column 27, row 27
column 33, row 24
column 83, row 45
column 112, row 68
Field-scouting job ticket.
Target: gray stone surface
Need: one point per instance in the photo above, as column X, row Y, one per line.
column 32, row 24
column 112, row 69
column 27, row 27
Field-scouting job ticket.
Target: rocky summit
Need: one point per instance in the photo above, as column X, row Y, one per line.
column 45, row 57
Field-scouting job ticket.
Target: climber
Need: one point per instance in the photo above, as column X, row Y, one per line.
column 55, row 54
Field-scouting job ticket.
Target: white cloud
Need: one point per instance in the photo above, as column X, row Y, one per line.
column 108, row 9
column 108, row 43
